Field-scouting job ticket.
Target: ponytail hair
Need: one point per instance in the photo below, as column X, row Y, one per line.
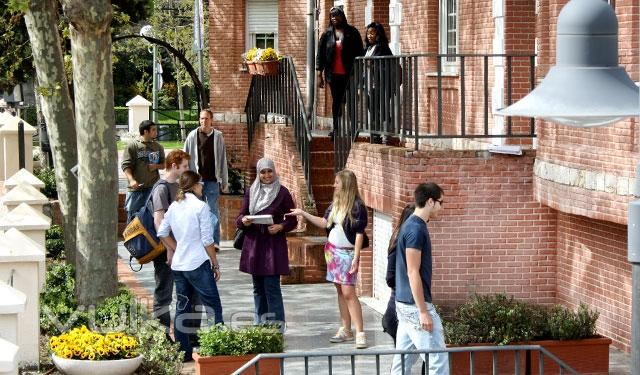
column 186, row 183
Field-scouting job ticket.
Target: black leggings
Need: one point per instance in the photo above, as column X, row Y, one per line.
column 338, row 86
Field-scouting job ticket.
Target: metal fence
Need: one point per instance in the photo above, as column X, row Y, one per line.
column 522, row 361
column 280, row 94
column 421, row 96
column 170, row 126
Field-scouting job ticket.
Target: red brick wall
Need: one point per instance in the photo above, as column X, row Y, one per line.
column 228, row 87
column 492, row 237
column 236, row 143
column 593, row 269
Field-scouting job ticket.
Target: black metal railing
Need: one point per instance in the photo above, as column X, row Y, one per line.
column 170, row 126
column 280, row 94
column 420, row 96
column 370, row 361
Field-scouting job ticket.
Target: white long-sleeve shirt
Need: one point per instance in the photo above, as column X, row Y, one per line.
column 190, row 222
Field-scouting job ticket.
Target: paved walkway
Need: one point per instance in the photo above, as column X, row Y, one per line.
column 312, row 317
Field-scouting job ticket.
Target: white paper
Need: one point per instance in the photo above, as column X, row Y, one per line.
column 261, row 219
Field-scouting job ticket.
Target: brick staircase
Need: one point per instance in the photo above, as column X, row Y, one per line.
column 306, row 252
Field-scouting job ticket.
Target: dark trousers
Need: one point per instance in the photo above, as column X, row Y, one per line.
column 200, row 280
column 163, row 295
column 267, row 297
column 338, row 86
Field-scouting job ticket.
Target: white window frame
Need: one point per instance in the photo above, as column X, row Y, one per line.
column 250, row 38
column 449, row 65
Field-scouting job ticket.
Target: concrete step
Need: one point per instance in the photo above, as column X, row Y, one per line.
column 306, row 259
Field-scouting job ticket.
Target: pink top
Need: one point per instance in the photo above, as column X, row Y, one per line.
column 338, row 66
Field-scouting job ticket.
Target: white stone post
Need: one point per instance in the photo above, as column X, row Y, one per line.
column 24, row 193
column 23, row 176
column 9, row 140
column 8, row 358
column 138, row 112
column 28, row 220
column 20, row 261
column 12, row 303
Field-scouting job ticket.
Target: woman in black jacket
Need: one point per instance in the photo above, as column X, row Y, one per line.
column 381, row 78
column 339, row 45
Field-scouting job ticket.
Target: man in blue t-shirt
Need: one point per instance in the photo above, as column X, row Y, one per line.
column 419, row 326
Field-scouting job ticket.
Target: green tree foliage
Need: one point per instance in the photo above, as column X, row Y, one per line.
column 16, row 64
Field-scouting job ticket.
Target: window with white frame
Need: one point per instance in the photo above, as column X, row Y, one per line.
column 262, row 23
column 448, row 23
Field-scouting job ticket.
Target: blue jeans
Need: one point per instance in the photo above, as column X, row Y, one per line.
column 134, row 200
column 267, row 298
column 411, row 336
column 212, row 192
column 200, row 280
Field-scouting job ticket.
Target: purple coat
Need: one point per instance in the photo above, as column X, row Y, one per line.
column 265, row 254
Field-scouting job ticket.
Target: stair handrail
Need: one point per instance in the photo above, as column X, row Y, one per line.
column 281, row 94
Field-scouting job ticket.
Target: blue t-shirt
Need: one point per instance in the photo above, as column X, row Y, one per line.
column 413, row 234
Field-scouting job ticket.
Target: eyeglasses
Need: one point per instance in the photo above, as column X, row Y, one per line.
column 441, row 201
column 201, row 183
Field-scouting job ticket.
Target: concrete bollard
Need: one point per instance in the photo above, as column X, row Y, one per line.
column 24, row 193
column 23, row 176
column 8, row 358
column 28, row 220
column 9, row 140
column 20, row 260
column 138, row 112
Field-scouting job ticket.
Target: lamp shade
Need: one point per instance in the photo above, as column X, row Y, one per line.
column 586, row 87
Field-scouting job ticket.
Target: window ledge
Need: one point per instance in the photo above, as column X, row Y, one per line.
column 444, row 74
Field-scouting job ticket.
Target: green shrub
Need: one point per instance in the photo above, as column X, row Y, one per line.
column 58, row 304
column 54, row 242
column 120, row 313
column 220, row 340
column 499, row 319
column 48, row 176
column 565, row 324
column 160, row 356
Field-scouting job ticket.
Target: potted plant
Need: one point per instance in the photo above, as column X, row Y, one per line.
column 82, row 351
column 224, row 350
column 262, row 61
column 502, row 320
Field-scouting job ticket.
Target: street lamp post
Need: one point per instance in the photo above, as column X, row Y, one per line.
column 587, row 88
column 147, row 30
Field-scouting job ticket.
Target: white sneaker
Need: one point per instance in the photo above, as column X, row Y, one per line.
column 361, row 340
column 342, row 335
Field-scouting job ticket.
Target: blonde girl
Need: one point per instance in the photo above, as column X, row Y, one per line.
column 345, row 221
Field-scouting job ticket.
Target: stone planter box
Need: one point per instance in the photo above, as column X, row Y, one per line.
column 105, row 367
column 229, row 207
column 227, row 364
column 587, row 357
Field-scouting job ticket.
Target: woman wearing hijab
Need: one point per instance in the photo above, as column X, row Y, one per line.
column 264, row 252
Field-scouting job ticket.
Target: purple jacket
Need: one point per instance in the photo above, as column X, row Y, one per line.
column 265, row 254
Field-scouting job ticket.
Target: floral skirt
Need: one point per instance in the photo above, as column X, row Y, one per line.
column 338, row 264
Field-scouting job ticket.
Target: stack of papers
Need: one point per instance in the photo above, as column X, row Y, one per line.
column 261, row 219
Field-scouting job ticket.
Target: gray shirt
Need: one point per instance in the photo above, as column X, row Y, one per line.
column 163, row 196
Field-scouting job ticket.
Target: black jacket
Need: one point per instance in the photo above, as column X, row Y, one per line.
column 351, row 48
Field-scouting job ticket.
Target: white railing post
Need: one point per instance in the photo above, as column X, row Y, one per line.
column 9, row 140
column 24, row 193
column 23, row 176
column 20, row 259
column 12, row 303
column 138, row 112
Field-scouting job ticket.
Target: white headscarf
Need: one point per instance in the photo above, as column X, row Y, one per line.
column 262, row 195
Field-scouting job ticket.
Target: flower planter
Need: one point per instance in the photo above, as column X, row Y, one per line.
column 267, row 68
column 104, row 367
column 252, row 67
column 227, row 364
column 586, row 356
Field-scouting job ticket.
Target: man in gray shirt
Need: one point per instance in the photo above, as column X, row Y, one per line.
column 206, row 147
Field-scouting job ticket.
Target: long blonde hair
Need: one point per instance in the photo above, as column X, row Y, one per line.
column 344, row 199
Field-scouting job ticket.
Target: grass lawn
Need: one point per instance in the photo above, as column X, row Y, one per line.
column 168, row 145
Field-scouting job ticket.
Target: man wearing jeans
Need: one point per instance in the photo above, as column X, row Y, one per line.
column 206, row 147
column 419, row 326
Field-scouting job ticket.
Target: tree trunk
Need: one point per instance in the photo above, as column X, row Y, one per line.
column 42, row 24
column 96, row 276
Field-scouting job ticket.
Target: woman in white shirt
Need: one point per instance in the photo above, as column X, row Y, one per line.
column 194, row 264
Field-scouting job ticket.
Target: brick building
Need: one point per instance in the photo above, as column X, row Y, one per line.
column 548, row 226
